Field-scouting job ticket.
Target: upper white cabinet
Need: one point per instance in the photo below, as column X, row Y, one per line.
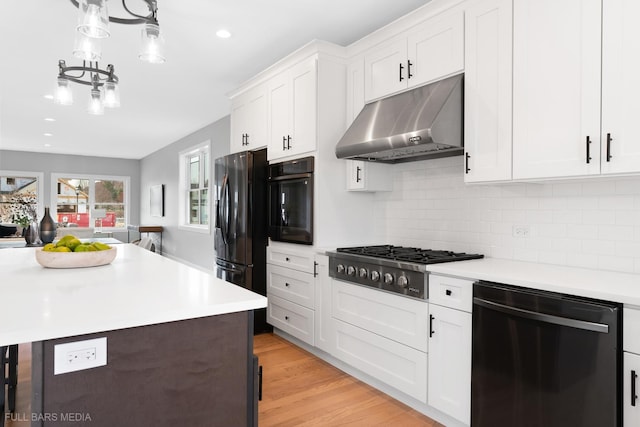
column 293, row 110
column 368, row 176
column 426, row 52
column 487, row 90
column 249, row 120
column 620, row 146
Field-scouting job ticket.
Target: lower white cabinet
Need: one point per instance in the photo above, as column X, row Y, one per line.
column 382, row 335
column 293, row 285
column 291, row 318
column 450, row 362
column 324, row 331
column 631, row 394
column 397, row 365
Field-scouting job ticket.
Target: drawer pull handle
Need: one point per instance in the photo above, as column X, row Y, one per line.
column 634, row 396
column 286, row 317
column 287, row 259
column 448, row 292
column 431, row 331
column 286, row 284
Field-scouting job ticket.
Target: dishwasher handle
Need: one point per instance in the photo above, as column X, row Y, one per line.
column 542, row 317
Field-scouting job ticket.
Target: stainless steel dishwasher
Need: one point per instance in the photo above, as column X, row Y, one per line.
column 544, row 359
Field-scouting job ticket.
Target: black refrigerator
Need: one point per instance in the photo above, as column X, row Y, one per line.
column 241, row 224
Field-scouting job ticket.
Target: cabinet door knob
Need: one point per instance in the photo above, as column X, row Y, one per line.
column 286, row 317
column 286, row 259
column 448, row 292
column 286, row 284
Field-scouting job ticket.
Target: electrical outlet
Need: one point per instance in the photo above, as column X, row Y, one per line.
column 79, row 355
column 521, row 231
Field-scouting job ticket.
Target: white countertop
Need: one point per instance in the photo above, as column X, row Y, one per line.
column 138, row 288
column 599, row 284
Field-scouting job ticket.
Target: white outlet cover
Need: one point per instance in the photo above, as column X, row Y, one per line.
column 61, row 363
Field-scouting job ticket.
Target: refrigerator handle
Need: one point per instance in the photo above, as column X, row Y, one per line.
column 223, row 196
column 227, row 217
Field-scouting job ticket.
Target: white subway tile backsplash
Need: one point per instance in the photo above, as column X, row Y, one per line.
column 591, row 223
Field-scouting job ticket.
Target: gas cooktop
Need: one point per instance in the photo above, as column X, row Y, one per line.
column 401, row 253
column 397, row 269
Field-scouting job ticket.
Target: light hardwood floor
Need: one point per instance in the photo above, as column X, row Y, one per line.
column 298, row 390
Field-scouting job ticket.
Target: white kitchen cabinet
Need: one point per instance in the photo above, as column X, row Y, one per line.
column 487, row 90
column 291, row 256
column 631, row 394
column 292, row 318
column 449, row 383
column 249, row 120
column 293, row 285
column 556, row 88
column 620, row 146
column 324, row 330
column 429, row 51
column 368, row 176
column 292, row 104
column 361, row 175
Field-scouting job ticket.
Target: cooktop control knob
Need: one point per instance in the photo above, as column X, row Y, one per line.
column 340, row 268
column 388, row 278
column 403, row 282
column 363, row 273
column 351, row 270
column 375, row 276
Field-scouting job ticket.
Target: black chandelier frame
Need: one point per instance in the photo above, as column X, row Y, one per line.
column 93, row 72
column 152, row 18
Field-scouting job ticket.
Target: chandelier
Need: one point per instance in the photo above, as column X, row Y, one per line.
column 92, row 27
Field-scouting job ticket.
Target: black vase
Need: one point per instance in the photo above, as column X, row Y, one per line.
column 47, row 228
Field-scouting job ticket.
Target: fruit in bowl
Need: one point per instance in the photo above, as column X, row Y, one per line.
column 70, row 252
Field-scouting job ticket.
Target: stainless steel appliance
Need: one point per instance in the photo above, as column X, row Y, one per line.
column 544, row 359
column 240, row 224
column 397, row 269
column 291, row 201
column 425, row 122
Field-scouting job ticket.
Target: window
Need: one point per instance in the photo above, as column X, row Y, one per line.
column 90, row 201
column 195, row 173
column 21, row 195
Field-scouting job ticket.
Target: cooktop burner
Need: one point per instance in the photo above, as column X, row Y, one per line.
column 407, row 254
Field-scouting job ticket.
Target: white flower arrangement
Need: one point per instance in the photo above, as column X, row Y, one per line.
column 23, row 208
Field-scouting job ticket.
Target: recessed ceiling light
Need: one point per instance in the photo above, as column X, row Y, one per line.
column 223, row 34
column 49, row 119
column 47, row 134
column 48, row 96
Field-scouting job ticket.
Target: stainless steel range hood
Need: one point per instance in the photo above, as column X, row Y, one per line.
column 422, row 123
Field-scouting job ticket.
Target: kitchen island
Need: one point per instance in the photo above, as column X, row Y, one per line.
column 178, row 340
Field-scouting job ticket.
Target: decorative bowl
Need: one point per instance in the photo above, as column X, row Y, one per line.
column 75, row 259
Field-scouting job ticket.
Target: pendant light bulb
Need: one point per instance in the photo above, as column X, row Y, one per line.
column 111, row 94
column 96, row 106
column 63, row 94
column 93, row 18
column 87, row 48
column 152, row 44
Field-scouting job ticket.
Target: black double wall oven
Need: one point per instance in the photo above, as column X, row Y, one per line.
column 291, row 201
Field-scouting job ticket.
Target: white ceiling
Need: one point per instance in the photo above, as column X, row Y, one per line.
column 160, row 103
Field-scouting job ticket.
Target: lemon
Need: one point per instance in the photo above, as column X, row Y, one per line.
column 65, row 239
column 61, row 249
column 73, row 243
column 100, row 246
column 49, row 247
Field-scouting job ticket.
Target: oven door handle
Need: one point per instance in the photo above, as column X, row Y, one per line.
column 289, row 177
column 542, row 317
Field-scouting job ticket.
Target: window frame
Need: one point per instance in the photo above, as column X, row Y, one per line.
column 39, row 176
column 184, row 187
column 92, row 196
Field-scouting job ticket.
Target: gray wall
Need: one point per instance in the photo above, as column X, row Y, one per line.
column 162, row 167
column 64, row 163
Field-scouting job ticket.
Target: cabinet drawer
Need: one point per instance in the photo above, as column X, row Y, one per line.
column 293, row 285
column 398, row 318
column 397, row 365
column 298, row 259
column 631, row 331
column 291, row 318
column 631, row 374
column 451, row 292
